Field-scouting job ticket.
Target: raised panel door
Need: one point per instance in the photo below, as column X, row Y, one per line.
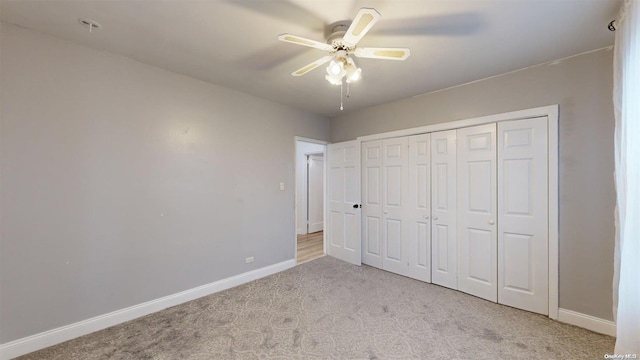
column 477, row 215
column 394, row 205
column 523, row 244
column 372, row 203
column 443, row 209
column 419, row 207
column 343, row 192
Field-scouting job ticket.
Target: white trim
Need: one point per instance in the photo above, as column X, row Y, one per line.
column 320, row 153
column 55, row 336
column 513, row 115
column 554, row 216
column 588, row 322
column 309, row 140
column 551, row 112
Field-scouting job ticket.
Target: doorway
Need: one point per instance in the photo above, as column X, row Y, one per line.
column 310, row 179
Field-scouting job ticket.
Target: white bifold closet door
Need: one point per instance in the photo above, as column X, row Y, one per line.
column 396, row 205
column 523, row 245
column 466, row 209
column 343, row 201
column 477, row 214
column 395, row 242
column 372, row 203
column 443, row 209
column 419, row 207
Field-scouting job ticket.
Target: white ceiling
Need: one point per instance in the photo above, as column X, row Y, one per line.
column 234, row 43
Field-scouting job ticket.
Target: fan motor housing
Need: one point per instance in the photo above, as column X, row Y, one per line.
column 335, row 32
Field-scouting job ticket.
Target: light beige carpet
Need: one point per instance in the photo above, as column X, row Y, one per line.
column 327, row 309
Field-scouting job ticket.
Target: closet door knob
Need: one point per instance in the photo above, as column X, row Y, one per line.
column 426, row 217
column 491, row 222
column 435, row 218
column 385, row 213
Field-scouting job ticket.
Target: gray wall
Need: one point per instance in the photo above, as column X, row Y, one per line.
column 123, row 183
column 583, row 88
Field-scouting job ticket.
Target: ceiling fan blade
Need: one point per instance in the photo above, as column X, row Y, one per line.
column 299, row 40
column 363, row 22
column 383, row 53
column 305, row 69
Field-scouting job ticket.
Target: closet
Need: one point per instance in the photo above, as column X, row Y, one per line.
column 465, row 208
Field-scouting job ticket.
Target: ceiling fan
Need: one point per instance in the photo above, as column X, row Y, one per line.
column 341, row 43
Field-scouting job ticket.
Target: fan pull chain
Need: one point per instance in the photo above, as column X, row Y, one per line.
column 341, row 107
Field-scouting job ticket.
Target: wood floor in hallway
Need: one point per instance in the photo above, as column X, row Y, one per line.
column 310, row 246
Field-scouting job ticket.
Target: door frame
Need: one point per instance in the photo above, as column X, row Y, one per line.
column 551, row 112
column 296, row 195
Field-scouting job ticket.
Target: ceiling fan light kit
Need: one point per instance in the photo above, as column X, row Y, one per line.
column 342, row 67
column 341, row 43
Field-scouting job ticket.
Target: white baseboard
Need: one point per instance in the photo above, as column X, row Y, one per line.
column 588, row 322
column 55, row 336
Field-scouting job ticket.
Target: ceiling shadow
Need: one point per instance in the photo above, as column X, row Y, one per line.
column 272, row 56
column 283, row 10
column 461, row 24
